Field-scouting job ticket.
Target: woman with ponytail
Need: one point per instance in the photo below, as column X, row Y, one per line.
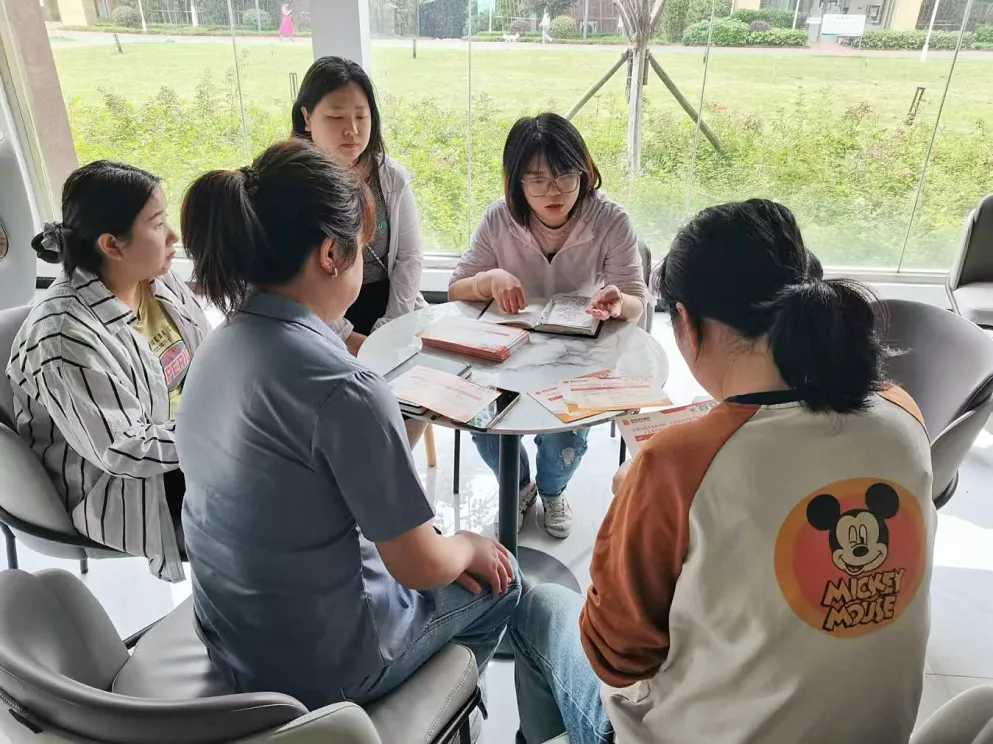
column 317, row 572
column 99, row 367
column 763, row 572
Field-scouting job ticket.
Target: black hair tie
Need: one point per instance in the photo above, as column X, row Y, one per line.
column 251, row 180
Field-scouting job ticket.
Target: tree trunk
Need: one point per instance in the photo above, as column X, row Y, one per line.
column 194, row 16
column 639, row 60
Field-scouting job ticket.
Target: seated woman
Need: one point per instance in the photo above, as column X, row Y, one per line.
column 336, row 110
column 553, row 232
column 316, row 570
column 99, row 366
column 762, row 574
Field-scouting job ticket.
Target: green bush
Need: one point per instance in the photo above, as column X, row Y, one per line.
column 984, row 34
column 680, row 14
column 520, row 26
column 774, row 17
column 696, row 35
column 731, row 33
column 125, row 16
column 563, row 27
column 249, row 20
column 911, row 40
column 759, row 26
column 847, row 174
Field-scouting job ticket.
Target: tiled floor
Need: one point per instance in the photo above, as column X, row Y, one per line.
column 960, row 652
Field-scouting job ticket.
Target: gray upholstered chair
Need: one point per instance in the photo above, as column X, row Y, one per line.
column 965, row 719
column 30, row 508
column 970, row 282
column 67, row 677
column 946, row 364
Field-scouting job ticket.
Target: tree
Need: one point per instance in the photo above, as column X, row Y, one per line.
column 555, row 8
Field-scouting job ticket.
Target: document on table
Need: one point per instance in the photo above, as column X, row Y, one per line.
column 604, row 394
column 551, row 398
column 444, row 393
column 636, row 430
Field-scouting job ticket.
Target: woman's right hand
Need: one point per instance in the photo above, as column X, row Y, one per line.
column 506, row 289
column 490, row 564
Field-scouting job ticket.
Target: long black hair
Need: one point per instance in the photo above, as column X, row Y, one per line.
column 554, row 139
column 745, row 265
column 258, row 225
column 324, row 77
column 98, row 199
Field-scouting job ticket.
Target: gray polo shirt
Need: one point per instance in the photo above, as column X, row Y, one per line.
column 296, row 463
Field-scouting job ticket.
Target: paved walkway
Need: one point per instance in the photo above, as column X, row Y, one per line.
column 66, row 39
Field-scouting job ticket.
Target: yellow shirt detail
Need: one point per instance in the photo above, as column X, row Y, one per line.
column 166, row 342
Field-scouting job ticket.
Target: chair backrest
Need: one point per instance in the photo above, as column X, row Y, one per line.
column 646, row 261
column 943, row 361
column 974, row 262
column 59, row 654
column 10, row 323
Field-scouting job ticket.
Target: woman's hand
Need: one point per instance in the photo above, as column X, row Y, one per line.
column 619, row 476
column 490, row 564
column 607, row 303
column 506, row 289
column 354, row 343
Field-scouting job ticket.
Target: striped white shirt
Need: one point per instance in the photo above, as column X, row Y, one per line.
column 91, row 400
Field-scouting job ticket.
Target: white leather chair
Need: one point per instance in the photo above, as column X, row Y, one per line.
column 67, row 678
column 970, row 281
column 30, row 508
column 965, row 719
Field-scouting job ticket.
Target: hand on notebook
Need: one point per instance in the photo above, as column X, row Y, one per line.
column 506, row 289
column 607, row 303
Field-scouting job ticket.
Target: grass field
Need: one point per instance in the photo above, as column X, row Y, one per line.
column 746, row 90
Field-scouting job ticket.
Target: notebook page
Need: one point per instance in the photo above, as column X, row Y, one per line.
column 569, row 311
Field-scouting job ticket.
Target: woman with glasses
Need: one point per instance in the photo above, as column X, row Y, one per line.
column 553, row 232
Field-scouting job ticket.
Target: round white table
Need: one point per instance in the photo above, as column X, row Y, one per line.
column 622, row 347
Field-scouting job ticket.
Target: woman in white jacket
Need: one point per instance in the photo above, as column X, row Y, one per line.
column 336, row 109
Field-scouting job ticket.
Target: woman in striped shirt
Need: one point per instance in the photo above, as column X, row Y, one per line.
column 98, row 367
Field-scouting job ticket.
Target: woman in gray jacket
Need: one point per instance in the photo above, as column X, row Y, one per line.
column 336, row 110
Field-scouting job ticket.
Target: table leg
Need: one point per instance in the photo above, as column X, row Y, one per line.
column 509, row 480
column 537, row 567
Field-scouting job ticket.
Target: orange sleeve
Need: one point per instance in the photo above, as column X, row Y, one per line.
column 642, row 543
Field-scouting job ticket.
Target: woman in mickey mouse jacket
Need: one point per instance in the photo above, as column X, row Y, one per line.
column 763, row 572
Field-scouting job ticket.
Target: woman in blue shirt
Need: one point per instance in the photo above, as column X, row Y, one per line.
column 316, row 570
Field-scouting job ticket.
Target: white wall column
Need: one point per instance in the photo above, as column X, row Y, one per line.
column 341, row 28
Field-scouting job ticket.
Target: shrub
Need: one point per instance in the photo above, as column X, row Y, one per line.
column 680, row 14
column 520, row 27
column 779, row 37
column 128, row 3
column 911, row 40
column 759, row 26
column 563, row 27
column 984, row 34
column 248, row 19
column 122, row 15
column 729, row 33
column 774, row 17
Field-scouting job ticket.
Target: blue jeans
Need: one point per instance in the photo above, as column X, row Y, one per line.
column 557, row 689
column 476, row 621
column 558, row 457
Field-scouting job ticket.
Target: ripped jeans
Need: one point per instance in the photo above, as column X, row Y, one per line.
column 558, row 457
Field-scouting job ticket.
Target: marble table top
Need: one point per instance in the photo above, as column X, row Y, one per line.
column 622, row 347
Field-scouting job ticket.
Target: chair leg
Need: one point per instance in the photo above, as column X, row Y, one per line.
column 429, row 448
column 465, row 732
column 623, row 452
column 84, row 566
column 613, row 429
column 458, row 461
column 11, row 546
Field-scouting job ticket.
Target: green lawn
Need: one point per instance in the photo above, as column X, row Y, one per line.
column 824, row 134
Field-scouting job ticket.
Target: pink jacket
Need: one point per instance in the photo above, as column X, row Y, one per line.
column 602, row 250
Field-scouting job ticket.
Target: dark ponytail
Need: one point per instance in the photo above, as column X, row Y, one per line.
column 98, row 199
column 258, row 225
column 824, row 343
column 744, row 264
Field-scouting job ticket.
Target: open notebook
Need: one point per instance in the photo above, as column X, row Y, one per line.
column 564, row 314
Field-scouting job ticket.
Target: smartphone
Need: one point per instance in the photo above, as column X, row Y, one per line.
column 495, row 411
column 452, row 366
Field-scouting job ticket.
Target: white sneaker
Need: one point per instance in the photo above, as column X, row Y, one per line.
column 558, row 516
column 526, row 500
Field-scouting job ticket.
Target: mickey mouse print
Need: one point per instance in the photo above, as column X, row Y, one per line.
column 851, row 556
